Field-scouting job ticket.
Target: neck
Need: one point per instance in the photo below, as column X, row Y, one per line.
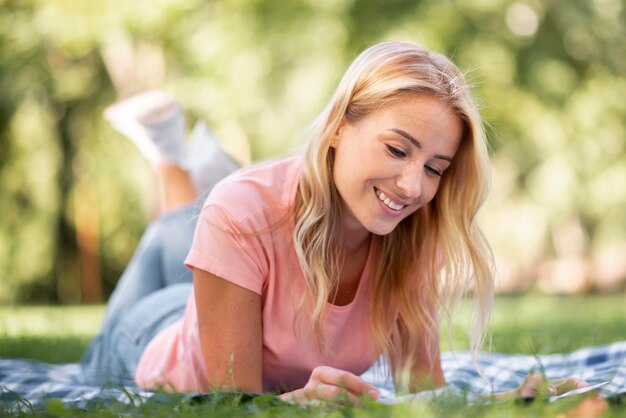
column 354, row 236
column 354, row 239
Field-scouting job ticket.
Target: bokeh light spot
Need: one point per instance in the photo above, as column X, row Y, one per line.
column 522, row 20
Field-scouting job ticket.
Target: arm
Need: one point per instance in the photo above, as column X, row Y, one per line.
column 427, row 372
column 230, row 329
column 423, row 377
column 429, row 375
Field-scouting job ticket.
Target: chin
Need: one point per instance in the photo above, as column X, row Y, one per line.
column 382, row 230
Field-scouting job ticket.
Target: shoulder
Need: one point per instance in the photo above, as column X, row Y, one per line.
column 268, row 186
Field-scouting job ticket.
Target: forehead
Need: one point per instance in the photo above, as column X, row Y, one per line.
column 425, row 117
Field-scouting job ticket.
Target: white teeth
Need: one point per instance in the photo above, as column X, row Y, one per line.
column 389, row 202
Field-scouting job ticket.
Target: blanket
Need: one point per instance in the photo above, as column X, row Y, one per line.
column 26, row 384
column 497, row 372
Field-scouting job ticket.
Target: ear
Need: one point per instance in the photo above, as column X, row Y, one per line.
column 337, row 135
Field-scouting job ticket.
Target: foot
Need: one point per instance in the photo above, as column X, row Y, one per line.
column 208, row 163
column 154, row 121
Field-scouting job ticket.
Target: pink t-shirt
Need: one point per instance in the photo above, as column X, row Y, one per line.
column 237, row 239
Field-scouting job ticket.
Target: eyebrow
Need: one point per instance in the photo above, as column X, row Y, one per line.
column 417, row 144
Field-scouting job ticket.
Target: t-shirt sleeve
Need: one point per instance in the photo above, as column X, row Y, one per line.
column 232, row 249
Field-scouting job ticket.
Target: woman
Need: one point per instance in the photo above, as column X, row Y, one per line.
column 308, row 269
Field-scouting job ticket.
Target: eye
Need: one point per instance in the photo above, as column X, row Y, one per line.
column 395, row 152
column 433, row 171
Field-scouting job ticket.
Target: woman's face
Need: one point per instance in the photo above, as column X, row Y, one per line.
column 389, row 164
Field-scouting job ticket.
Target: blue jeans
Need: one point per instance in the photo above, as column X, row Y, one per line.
column 151, row 294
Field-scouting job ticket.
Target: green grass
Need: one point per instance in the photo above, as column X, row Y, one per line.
column 543, row 324
column 529, row 324
column 52, row 334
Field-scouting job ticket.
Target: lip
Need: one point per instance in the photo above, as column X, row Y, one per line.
column 387, row 209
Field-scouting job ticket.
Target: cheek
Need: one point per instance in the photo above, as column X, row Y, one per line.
column 346, row 164
column 431, row 191
column 343, row 176
column 339, row 170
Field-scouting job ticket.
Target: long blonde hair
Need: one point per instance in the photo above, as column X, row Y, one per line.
column 434, row 256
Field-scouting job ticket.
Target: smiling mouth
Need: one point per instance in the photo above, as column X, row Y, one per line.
column 388, row 202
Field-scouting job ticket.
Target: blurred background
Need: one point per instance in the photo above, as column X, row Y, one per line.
column 75, row 195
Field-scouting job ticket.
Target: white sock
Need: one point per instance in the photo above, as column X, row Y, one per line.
column 169, row 134
column 207, row 162
column 155, row 123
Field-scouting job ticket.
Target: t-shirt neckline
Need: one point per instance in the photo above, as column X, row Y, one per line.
column 365, row 276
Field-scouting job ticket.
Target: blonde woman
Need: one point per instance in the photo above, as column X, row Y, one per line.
column 308, row 269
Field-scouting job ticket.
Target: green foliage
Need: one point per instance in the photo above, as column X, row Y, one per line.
column 549, row 76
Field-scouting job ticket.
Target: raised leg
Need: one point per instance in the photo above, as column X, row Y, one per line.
column 157, row 262
column 152, row 290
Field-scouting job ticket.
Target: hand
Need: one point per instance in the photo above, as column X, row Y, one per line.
column 328, row 383
column 535, row 384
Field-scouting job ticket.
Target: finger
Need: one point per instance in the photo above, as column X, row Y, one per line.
column 531, row 384
column 559, row 382
column 341, row 378
column 324, row 391
column 579, row 383
column 565, row 385
column 573, row 383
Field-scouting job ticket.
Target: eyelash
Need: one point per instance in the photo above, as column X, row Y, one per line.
column 398, row 153
column 434, row 171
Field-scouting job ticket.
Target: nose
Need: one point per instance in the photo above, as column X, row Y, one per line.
column 409, row 181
